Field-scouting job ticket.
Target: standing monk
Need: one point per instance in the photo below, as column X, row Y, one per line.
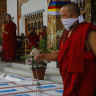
column 9, row 39
column 77, row 54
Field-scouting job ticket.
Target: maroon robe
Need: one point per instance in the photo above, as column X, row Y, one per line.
column 77, row 65
column 33, row 39
column 43, row 34
column 9, row 42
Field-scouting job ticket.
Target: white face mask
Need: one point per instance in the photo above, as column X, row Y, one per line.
column 70, row 21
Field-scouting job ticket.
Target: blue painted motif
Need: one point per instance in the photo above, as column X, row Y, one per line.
column 10, row 90
column 60, row 91
column 48, row 86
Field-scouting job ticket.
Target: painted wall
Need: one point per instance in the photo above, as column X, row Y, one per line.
column 28, row 7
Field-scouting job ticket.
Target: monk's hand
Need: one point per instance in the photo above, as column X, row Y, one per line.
column 39, row 57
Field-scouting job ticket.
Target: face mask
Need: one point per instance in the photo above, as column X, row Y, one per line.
column 68, row 22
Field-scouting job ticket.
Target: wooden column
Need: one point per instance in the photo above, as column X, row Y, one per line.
column 3, row 11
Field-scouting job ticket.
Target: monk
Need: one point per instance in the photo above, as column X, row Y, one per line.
column 43, row 33
column 77, row 54
column 9, row 39
column 33, row 39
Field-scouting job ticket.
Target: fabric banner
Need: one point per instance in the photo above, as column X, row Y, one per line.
column 53, row 13
column 54, row 10
column 55, row 6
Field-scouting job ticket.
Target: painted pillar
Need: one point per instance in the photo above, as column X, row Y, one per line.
column 88, row 10
column 54, row 22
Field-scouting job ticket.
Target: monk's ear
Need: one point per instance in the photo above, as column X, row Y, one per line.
column 74, row 15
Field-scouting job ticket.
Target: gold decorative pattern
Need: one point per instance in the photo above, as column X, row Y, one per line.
column 35, row 20
column 54, row 24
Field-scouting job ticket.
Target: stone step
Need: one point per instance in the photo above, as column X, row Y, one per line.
column 3, row 64
column 27, row 73
column 51, row 73
column 53, row 78
column 20, row 66
column 49, row 70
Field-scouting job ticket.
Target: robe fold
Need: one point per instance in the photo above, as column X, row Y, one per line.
column 9, row 42
column 77, row 65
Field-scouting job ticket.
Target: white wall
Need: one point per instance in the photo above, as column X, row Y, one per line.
column 12, row 9
column 28, row 7
column 32, row 6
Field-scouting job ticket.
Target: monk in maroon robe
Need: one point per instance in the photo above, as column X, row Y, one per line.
column 43, row 34
column 77, row 54
column 33, row 39
column 9, row 39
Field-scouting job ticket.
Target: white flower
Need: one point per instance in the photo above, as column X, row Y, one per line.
column 27, row 62
column 35, row 51
column 30, row 63
column 31, row 53
column 28, row 59
column 31, row 59
column 46, row 61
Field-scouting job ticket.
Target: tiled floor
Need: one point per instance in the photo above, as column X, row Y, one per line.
column 15, row 85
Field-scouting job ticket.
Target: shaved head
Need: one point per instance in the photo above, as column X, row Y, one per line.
column 72, row 8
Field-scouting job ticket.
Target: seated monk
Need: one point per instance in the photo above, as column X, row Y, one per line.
column 32, row 39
